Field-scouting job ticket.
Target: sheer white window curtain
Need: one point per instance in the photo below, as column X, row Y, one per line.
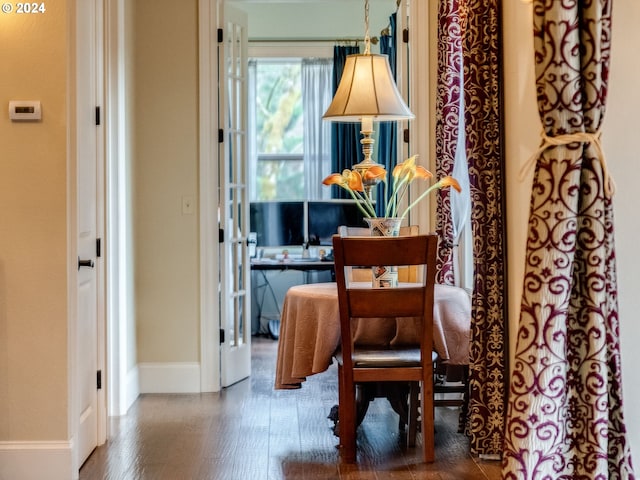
column 316, row 97
column 316, row 74
column 461, row 209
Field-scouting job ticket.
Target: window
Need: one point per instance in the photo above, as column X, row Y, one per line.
column 289, row 144
column 279, row 131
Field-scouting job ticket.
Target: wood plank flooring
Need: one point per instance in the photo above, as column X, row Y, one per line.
column 251, row 431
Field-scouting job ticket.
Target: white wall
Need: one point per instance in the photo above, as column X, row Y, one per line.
column 522, row 138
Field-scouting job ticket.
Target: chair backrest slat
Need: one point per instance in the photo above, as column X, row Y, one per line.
column 394, row 250
column 382, row 302
column 405, row 273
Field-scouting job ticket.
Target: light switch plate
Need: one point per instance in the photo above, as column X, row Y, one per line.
column 187, row 205
column 25, row 110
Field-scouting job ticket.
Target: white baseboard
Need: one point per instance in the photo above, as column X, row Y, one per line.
column 169, row 377
column 36, row 461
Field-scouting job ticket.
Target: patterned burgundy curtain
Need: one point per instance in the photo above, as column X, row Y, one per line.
column 469, row 32
column 483, row 119
column 447, row 120
column 565, row 418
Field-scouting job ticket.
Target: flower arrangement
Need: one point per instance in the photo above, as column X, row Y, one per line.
column 403, row 174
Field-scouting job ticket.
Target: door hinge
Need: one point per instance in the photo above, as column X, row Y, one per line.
column 97, row 116
column 220, row 135
column 221, row 235
column 99, row 380
column 405, row 135
column 221, row 336
column 405, row 35
column 98, row 247
column 220, row 35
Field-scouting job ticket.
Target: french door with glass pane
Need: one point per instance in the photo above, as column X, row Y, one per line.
column 235, row 288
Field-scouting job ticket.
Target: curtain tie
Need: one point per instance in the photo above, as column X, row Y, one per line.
column 566, row 139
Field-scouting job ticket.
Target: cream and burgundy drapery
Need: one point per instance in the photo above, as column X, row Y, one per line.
column 565, row 417
column 469, row 41
column 448, row 113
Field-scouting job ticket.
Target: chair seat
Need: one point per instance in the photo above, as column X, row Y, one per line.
column 384, row 358
column 364, row 357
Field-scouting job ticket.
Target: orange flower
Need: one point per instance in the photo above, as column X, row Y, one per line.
column 403, row 174
column 333, row 179
column 408, row 170
column 403, row 168
column 353, row 180
column 450, row 182
column 423, row 173
column 375, row 172
column 348, row 179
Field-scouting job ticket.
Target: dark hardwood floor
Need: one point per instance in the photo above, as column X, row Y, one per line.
column 251, row 431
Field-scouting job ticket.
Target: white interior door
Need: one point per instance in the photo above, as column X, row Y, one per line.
column 235, row 288
column 89, row 402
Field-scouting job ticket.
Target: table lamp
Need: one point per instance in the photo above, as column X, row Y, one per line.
column 367, row 92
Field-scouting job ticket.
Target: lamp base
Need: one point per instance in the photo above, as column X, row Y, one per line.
column 367, row 143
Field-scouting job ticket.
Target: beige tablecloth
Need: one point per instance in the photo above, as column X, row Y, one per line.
column 310, row 330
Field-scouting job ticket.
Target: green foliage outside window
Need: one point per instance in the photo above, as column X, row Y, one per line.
column 279, row 124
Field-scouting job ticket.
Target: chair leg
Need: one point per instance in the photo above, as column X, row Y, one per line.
column 464, row 409
column 426, row 410
column 347, row 418
column 414, row 388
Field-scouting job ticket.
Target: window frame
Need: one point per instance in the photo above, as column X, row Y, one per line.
column 283, row 51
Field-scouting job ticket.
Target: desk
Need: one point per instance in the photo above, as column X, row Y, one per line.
column 264, row 288
column 310, row 330
column 301, row 264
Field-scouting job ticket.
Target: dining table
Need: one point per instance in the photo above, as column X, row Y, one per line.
column 310, row 330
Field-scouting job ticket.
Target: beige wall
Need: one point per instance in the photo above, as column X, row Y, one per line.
column 33, row 228
column 522, row 127
column 619, row 138
column 165, row 166
column 621, row 147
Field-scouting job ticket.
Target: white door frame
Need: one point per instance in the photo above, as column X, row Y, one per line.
column 208, row 201
column 122, row 381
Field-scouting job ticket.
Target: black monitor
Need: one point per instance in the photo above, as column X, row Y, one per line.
column 277, row 224
column 325, row 218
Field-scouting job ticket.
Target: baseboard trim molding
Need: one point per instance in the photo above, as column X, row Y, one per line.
column 169, row 377
column 36, row 460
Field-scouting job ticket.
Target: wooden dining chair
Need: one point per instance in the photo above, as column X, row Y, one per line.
column 368, row 391
column 451, row 382
column 358, row 302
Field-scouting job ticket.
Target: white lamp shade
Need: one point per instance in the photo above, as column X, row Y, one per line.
column 367, row 89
